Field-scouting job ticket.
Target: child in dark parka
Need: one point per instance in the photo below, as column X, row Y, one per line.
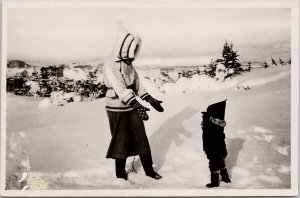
column 214, row 144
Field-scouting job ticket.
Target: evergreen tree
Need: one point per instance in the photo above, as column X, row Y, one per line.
column 249, row 66
column 281, row 61
column 230, row 58
column 273, row 61
column 265, row 65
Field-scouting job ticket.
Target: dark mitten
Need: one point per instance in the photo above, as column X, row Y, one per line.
column 140, row 109
column 154, row 103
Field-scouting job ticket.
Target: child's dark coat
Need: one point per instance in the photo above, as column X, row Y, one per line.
column 213, row 136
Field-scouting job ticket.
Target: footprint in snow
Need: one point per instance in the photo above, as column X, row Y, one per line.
column 283, row 150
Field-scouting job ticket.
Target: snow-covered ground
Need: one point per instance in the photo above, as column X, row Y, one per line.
column 66, row 146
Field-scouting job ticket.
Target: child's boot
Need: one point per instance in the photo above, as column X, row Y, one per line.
column 214, row 178
column 225, row 176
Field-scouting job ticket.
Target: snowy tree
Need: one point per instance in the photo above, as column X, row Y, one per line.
column 230, row 58
column 289, row 61
column 211, row 68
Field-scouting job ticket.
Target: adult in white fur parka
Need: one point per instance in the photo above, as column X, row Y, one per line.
column 124, row 112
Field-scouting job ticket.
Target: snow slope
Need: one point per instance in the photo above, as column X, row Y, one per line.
column 66, row 146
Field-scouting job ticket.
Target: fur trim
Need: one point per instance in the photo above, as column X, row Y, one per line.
column 126, row 95
column 216, row 121
column 134, row 48
column 144, row 96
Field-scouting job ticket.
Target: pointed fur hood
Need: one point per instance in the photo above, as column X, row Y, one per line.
column 126, row 45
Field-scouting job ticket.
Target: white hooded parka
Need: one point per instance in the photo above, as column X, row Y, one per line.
column 120, row 77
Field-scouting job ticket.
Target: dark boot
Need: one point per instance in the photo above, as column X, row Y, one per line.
column 120, row 168
column 147, row 163
column 214, row 177
column 225, row 176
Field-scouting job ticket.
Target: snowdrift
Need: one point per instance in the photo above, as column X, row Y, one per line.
column 200, row 83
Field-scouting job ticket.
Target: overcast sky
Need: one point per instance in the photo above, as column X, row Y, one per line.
column 177, row 34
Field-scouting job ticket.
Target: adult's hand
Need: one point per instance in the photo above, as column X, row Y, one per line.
column 140, row 109
column 156, row 104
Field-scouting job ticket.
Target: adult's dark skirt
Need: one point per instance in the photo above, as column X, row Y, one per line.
column 128, row 135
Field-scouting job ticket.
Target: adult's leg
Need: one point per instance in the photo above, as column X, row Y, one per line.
column 147, row 163
column 120, row 168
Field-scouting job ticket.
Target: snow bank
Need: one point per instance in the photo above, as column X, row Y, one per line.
column 156, row 83
column 197, row 83
column 76, row 74
column 60, row 98
column 34, row 86
column 265, row 80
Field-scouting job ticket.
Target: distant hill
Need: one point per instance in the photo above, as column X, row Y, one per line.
column 32, row 63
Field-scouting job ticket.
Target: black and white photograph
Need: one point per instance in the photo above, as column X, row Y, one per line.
column 149, row 98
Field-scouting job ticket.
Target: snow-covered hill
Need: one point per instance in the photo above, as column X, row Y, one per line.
column 66, row 146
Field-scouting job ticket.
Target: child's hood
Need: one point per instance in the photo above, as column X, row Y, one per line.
column 216, row 110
